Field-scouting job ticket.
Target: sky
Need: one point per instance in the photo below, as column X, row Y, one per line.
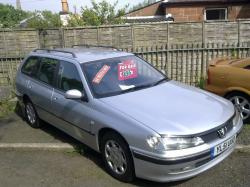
column 55, row 5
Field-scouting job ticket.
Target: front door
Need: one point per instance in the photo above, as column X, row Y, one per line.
column 72, row 115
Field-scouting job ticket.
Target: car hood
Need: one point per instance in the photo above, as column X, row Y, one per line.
column 173, row 108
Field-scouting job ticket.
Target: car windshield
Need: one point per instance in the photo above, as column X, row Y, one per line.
column 120, row 75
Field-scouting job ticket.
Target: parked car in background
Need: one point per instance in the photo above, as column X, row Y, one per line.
column 142, row 123
column 231, row 79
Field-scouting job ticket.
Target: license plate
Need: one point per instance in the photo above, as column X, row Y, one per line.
column 223, row 146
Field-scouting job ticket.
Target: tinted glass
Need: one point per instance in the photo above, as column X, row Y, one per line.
column 119, row 75
column 47, row 70
column 31, row 66
column 68, row 77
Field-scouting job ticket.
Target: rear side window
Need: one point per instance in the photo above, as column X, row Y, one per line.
column 247, row 67
column 47, row 70
column 31, row 66
column 68, row 77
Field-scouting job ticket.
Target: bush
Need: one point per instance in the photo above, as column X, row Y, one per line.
column 201, row 83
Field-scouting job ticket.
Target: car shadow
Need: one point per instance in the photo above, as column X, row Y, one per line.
column 86, row 151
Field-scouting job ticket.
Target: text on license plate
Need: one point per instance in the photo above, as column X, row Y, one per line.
column 223, row 146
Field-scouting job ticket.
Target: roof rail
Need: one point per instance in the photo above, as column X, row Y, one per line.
column 95, row 46
column 55, row 50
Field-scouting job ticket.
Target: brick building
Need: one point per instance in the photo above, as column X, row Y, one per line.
column 191, row 10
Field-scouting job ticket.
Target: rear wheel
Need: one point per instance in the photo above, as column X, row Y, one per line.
column 31, row 115
column 242, row 104
column 117, row 157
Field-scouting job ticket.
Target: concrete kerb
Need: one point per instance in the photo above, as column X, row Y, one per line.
column 37, row 146
column 69, row 147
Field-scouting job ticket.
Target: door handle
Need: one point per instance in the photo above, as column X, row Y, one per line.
column 55, row 98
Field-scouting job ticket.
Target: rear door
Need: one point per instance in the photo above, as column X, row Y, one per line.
column 72, row 115
column 41, row 87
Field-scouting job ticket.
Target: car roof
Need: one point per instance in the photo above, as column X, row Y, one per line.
column 83, row 54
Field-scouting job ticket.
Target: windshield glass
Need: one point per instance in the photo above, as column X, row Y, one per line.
column 115, row 76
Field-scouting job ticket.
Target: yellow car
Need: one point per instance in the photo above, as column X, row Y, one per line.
column 231, row 79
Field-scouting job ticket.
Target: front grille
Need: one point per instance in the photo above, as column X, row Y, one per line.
column 200, row 163
column 211, row 136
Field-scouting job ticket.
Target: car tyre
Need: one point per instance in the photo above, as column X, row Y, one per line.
column 31, row 115
column 241, row 102
column 117, row 157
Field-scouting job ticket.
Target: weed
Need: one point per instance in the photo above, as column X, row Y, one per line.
column 6, row 107
column 201, row 83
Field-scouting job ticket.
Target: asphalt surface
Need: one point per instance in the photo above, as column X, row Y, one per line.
column 43, row 168
column 26, row 168
column 13, row 129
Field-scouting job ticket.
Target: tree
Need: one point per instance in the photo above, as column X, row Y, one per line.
column 103, row 13
column 44, row 19
column 11, row 17
column 75, row 21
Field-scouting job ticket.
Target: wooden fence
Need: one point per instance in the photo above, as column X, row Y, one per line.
column 186, row 63
column 15, row 42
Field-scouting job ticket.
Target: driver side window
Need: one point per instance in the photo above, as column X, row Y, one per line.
column 68, row 77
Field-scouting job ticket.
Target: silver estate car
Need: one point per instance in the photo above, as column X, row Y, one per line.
column 143, row 123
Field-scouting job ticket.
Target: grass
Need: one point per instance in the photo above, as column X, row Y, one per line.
column 201, row 83
column 6, row 107
column 246, row 128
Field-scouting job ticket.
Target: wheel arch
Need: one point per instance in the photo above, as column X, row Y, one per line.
column 26, row 98
column 105, row 130
column 235, row 91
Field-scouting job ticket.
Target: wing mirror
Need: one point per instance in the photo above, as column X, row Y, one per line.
column 74, row 94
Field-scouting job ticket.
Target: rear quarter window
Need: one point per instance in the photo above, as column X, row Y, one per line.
column 31, row 66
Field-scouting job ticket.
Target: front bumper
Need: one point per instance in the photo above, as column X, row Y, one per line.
column 174, row 169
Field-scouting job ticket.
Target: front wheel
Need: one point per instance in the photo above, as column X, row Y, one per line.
column 117, row 157
column 242, row 104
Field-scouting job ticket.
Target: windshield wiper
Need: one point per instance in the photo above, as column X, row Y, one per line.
column 136, row 88
column 160, row 81
column 144, row 86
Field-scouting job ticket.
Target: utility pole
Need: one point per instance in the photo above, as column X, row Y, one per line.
column 18, row 5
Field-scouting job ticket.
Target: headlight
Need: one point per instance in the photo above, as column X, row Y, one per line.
column 173, row 143
column 236, row 118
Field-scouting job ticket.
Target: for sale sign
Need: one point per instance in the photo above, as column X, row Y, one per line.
column 127, row 70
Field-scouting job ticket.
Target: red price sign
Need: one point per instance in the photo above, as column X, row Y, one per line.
column 99, row 76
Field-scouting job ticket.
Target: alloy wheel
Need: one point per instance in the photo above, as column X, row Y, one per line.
column 242, row 105
column 31, row 114
column 115, row 157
